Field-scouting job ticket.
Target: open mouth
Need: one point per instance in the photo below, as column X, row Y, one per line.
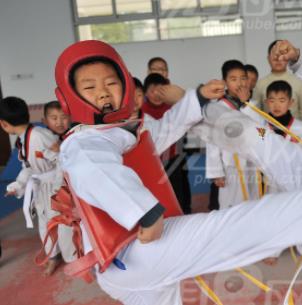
column 107, row 108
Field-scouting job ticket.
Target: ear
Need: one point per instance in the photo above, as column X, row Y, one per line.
column 3, row 124
column 291, row 102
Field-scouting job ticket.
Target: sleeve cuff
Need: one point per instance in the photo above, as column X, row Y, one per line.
column 151, row 217
column 202, row 100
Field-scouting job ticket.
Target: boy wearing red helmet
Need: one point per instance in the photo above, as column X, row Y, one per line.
column 94, row 87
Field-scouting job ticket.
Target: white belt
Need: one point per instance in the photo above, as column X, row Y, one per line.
column 30, row 191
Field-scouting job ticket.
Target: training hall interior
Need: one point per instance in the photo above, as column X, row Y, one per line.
column 195, row 38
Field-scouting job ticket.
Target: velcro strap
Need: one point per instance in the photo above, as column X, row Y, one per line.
column 82, row 267
column 63, row 203
column 52, row 233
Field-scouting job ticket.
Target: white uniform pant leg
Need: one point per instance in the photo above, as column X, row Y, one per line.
column 166, row 295
column 204, row 243
column 277, row 254
column 279, row 159
column 65, row 243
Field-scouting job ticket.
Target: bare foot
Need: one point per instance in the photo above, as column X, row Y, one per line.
column 271, row 261
column 51, row 266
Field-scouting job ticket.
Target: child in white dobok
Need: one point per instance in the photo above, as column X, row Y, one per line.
column 39, row 176
column 165, row 251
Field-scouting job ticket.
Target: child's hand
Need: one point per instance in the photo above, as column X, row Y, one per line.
column 214, row 89
column 219, row 182
column 146, row 235
column 10, row 193
column 243, row 94
column 284, row 51
column 170, row 94
column 55, row 147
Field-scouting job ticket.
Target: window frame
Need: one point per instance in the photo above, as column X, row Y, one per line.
column 216, row 13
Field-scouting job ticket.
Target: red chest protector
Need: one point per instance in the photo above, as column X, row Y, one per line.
column 106, row 236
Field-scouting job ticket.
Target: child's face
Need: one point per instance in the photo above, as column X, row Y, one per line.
column 278, row 103
column 138, row 99
column 99, row 85
column 251, row 80
column 277, row 66
column 235, row 79
column 159, row 67
column 57, row 121
column 152, row 95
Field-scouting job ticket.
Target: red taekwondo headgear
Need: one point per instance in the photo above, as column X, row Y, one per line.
column 80, row 110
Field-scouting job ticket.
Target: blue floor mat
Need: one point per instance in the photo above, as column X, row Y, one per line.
column 8, row 204
column 12, row 168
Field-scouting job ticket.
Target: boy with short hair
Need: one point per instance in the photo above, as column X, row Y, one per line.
column 37, row 160
column 158, row 65
column 55, row 119
column 252, row 76
column 233, row 175
column 153, row 104
column 279, row 72
column 138, row 98
column 166, row 251
column 278, row 101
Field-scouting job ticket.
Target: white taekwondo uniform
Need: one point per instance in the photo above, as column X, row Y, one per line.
column 222, row 163
column 190, row 245
column 38, row 178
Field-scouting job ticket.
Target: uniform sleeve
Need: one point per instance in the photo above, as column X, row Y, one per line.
column 175, row 122
column 19, row 185
column 297, row 68
column 41, row 158
column 235, row 132
column 95, row 167
column 214, row 163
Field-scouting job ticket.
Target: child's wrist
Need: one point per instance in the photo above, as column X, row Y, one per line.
column 201, row 98
column 297, row 56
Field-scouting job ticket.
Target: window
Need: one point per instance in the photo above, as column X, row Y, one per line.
column 288, row 15
column 133, row 6
column 120, row 21
column 118, row 32
column 86, row 8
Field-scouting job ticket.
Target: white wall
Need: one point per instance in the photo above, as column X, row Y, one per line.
column 191, row 61
column 34, row 32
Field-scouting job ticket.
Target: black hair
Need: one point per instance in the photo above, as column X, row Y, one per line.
column 154, row 59
column 14, row 110
column 279, row 86
column 251, row 68
column 155, row 79
column 271, row 46
column 93, row 60
column 51, row 105
column 231, row 65
column 138, row 84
